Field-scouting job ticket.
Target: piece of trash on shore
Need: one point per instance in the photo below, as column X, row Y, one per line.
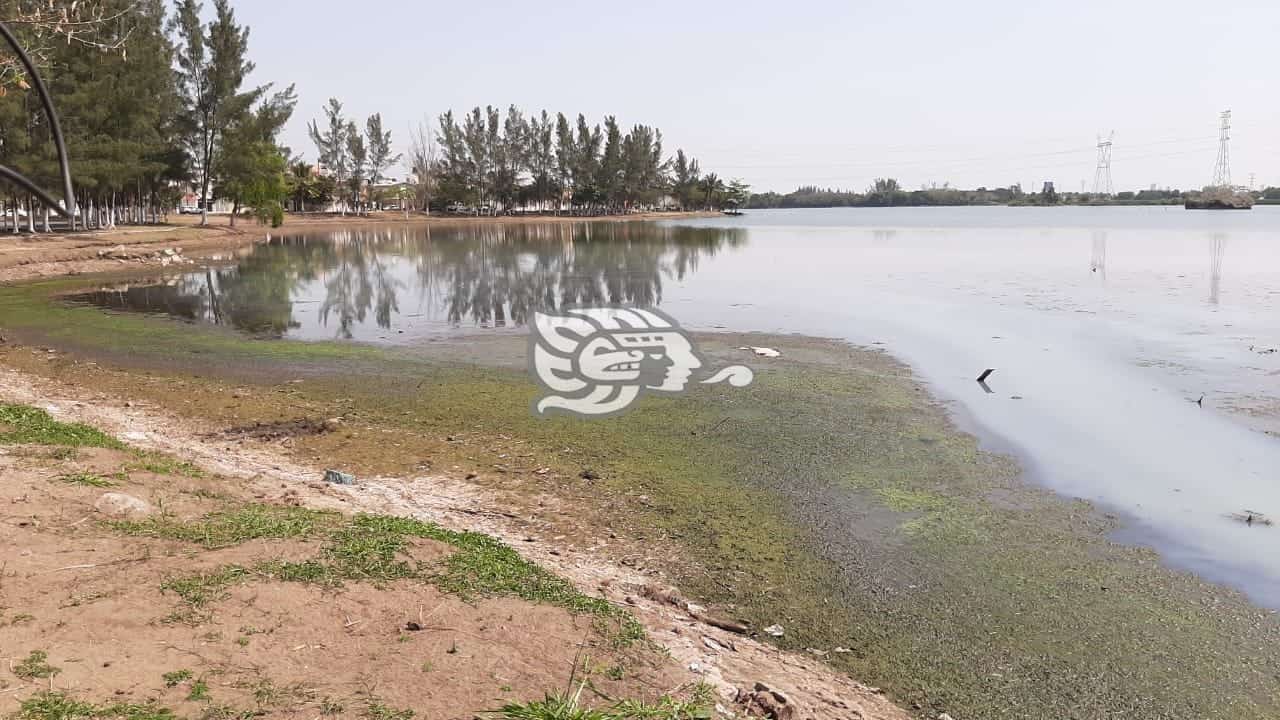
column 1251, row 517
column 775, row 630
column 337, row 477
column 763, row 351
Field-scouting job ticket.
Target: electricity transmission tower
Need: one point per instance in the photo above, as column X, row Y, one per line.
column 1102, row 177
column 1222, row 172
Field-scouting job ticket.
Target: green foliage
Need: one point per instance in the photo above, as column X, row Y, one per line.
column 176, row 677
column 159, row 463
column 376, row 710
column 35, row 667
column 562, row 706
column 488, row 160
column 199, row 691
column 373, row 548
column 60, row 706
column 201, row 589
column 86, row 479
column 232, row 527
column 22, row 424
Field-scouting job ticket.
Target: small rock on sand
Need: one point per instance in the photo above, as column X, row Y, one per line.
column 120, row 505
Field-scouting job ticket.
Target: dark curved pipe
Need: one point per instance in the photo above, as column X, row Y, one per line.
column 69, row 211
column 20, row 180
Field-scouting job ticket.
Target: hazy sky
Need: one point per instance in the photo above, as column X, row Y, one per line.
column 825, row 92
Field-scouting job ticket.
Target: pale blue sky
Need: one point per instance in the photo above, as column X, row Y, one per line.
column 822, row 92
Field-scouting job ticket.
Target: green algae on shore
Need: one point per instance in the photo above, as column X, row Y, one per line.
column 832, row 497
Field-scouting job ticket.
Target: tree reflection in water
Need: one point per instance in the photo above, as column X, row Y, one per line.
column 487, row 275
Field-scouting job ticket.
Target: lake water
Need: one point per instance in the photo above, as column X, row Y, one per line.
column 1103, row 325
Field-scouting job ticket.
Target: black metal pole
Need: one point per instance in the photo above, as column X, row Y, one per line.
column 55, row 127
column 18, row 179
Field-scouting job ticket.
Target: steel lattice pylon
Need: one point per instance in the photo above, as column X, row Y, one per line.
column 1222, row 171
column 1102, row 176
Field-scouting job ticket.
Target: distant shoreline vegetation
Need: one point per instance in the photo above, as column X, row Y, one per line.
column 886, row 192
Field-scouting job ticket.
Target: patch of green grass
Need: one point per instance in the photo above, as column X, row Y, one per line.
column 558, row 706
column 176, row 677
column 35, row 667
column 60, row 706
column 23, row 424
column 228, row 712
column 86, row 479
column 235, row 526
column 374, row 548
column 201, row 589
column 199, row 691
column 21, row 618
column 376, row 710
column 329, row 706
column 159, row 463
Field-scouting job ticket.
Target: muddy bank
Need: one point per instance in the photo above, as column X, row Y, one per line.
column 832, row 497
column 286, row 627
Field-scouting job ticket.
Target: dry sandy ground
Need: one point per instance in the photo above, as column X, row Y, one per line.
column 295, row 650
column 26, row 257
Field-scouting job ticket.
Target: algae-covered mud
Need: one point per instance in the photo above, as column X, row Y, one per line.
column 832, row 497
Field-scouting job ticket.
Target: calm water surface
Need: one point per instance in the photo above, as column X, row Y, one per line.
column 1104, row 326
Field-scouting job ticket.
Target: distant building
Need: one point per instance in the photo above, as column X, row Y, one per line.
column 189, row 203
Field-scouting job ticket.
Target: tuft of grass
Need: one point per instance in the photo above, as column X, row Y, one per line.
column 35, row 667
column 159, row 463
column 28, row 425
column 558, row 706
column 60, row 706
column 201, row 589
column 375, row 710
column 86, row 480
column 199, row 691
column 176, row 677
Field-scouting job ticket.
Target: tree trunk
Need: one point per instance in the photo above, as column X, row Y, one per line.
column 46, row 220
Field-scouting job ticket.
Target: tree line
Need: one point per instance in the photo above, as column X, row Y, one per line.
column 488, row 161
column 154, row 100
column 495, row 160
column 887, row 192
column 149, row 101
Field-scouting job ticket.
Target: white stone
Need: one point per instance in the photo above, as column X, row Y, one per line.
column 120, row 505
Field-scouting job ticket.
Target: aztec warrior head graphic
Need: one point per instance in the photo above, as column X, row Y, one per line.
column 596, row 361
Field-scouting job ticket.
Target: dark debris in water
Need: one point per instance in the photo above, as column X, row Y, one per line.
column 1251, row 517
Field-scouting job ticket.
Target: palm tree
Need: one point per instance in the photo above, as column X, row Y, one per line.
column 711, row 185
